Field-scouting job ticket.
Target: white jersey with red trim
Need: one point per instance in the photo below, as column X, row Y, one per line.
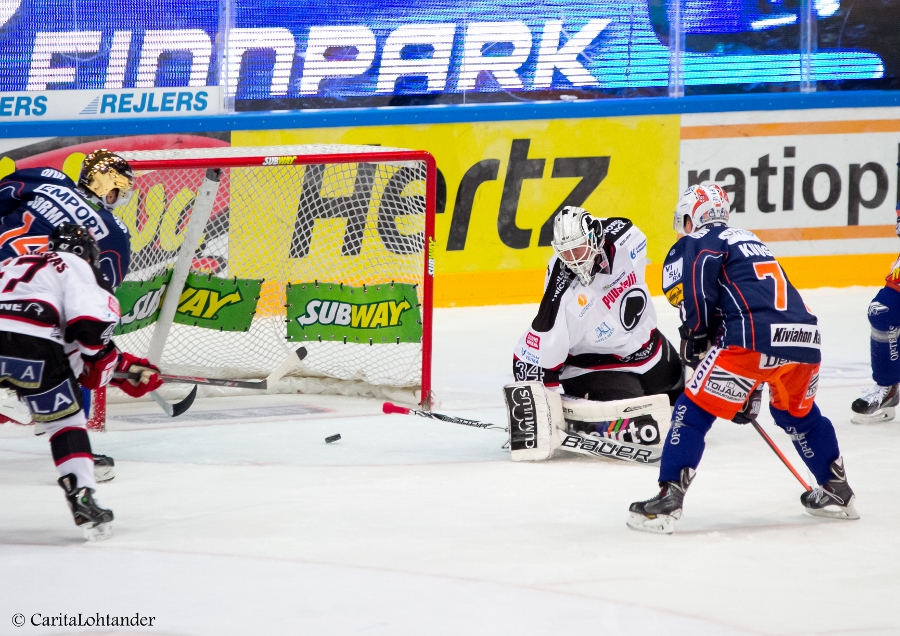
column 59, row 297
column 608, row 324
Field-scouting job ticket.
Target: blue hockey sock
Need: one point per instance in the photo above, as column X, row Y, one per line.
column 814, row 438
column 686, row 439
column 884, row 317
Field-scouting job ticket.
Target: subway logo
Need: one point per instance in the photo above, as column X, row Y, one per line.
column 386, row 313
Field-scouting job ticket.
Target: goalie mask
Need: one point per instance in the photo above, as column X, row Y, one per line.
column 703, row 205
column 102, row 172
column 578, row 241
column 75, row 239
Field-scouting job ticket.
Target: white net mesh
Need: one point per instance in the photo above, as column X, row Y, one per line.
column 360, row 223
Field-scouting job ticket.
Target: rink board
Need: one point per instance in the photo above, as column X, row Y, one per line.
column 818, row 185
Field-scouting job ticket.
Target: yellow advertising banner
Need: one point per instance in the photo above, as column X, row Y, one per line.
column 500, row 184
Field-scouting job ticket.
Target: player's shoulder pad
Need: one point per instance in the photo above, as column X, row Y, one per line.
column 41, row 175
column 84, row 270
column 615, row 228
column 558, row 281
column 673, row 272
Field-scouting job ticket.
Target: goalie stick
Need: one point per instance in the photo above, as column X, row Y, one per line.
column 572, row 441
column 391, row 408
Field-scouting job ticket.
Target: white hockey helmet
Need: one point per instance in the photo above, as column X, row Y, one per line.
column 703, row 205
column 578, row 241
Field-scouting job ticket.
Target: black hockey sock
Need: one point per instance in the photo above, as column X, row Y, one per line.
column 69, row 444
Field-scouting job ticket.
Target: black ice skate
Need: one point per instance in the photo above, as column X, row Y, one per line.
column 660, row 513
column 104, row 468
column 95, row 521
column 835, row 499
column 876, row 405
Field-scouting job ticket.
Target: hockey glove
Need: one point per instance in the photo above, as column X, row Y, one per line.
column 98, row 369
column 149, row 380
column 693, row 346
column 752, row 407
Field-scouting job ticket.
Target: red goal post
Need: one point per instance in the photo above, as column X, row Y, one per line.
column 348, row 230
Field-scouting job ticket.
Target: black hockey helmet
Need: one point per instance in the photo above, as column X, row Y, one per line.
column 75, row 239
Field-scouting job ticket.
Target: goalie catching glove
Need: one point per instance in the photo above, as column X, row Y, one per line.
column 98, row 372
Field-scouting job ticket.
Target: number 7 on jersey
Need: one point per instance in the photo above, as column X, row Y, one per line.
column 771, row 269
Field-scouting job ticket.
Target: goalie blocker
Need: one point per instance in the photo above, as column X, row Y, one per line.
column 542, row 421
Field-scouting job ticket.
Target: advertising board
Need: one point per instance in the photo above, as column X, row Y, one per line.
column 820, row 187
column 278, row 54
column 502, row 183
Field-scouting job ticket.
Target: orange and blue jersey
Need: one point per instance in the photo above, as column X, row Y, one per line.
column 34, row 201
column 728, row 285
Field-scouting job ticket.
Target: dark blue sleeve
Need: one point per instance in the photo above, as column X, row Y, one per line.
column 19, row 187
column 13, row 191
column 673, row 274
column 703, row 259
column 115, row 251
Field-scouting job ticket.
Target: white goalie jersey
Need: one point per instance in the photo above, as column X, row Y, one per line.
column 609, row 324
column 58, row 297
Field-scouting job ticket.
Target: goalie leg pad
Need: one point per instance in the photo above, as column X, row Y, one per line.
column 582, row 444
column 534, row 415
column 643, row 421
column 628, row 430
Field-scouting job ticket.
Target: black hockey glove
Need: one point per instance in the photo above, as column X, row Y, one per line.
column 752, row 407
column 693, row 346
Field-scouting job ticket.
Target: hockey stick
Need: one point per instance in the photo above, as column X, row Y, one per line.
column 174, row 410
column 778, row 452
column 260, row 385
column 390, row 408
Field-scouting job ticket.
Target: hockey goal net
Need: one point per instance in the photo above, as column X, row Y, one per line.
column 327, row 247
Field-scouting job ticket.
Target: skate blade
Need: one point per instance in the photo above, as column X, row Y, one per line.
column 847, row 512
column 883, row 415
column 98, row 532
column 104, row 473
column 662, row 524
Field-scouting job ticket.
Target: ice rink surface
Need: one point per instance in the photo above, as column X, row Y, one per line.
column 242, row 520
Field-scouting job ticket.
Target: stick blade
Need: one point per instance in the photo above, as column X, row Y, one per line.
column 185, row 404
column 174, row 410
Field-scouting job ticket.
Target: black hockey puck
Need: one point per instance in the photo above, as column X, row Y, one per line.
column 332, row 438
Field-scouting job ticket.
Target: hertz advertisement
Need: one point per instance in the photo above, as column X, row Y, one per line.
column 501, row 184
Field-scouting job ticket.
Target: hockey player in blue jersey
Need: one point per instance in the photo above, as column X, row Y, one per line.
column 878, row 403
column 743, row 324
column 34, row 201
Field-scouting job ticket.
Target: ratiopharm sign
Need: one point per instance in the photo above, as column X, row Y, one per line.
column 820, row 187
column 809, row 183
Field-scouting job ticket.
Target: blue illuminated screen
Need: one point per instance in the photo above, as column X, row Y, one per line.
column 299, row 53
